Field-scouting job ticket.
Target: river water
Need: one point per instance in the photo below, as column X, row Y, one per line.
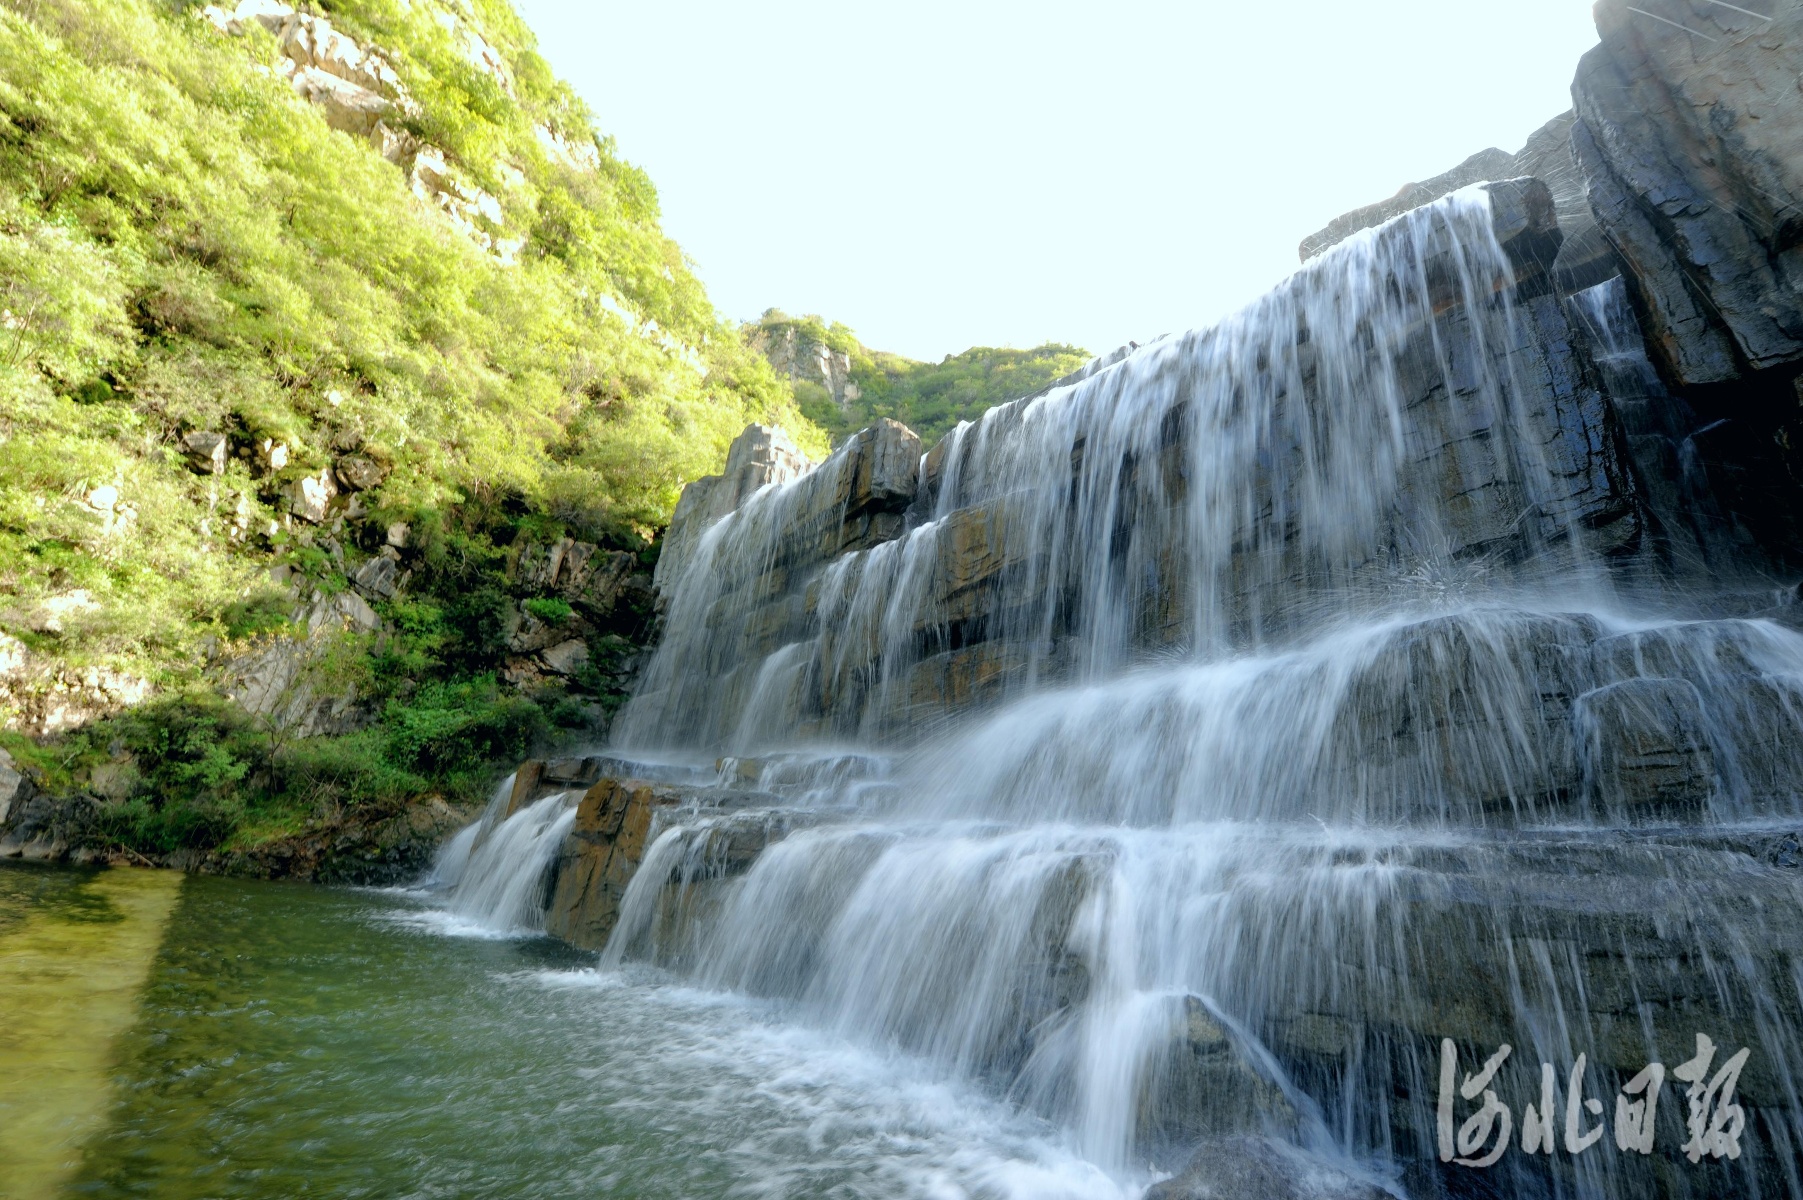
column 280, row 1041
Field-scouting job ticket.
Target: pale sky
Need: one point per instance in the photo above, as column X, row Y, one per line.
column 939, row 175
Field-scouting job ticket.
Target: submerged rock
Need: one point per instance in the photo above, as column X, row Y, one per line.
column 1261, row 1168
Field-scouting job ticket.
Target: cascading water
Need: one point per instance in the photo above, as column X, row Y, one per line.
column 1331, row 706
column 493, row 872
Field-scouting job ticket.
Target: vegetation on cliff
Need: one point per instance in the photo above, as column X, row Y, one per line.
column 929, row 398
column 240, row 333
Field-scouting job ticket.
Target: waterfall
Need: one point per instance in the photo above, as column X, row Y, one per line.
column 1215, row 491
column 492, row 873
column 1322, row 728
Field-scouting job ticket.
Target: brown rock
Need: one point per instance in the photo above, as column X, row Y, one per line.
column 525, row 786
column 603, row 849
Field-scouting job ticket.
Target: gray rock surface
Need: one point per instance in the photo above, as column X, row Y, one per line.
column 1691, row 139
column 310, row 496
column 205, row 451
column 806, row 359
column 1648, row 747
column 1547, row 156
column 358, row 474
column 762, row 454
column 378, row 577
column 15, row 786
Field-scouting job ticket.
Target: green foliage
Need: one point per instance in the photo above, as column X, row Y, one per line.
column 549, row 609
column 186, row 245
column 452, row 729
column 929, row 398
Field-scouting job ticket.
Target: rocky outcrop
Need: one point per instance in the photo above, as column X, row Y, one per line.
column 288, row 680
column 360, row 94
column 15, row 788
column 1480, row 167
column 600, row 856
column 761, row 455
column 803, row 580
column 803, row 357
column 1690, row 135
column 1547, row 156
column 1691, row 138
column 41, row 699
column 371, row 846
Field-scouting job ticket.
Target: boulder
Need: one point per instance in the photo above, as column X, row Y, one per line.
column 1248, row 1167
column 358, row 474
column 205, row 451
column 378, row 577
column 1210, row 1081
column 310, row 496
column 567, row 657
column 1647, row 747
column 14, row 657
column 1691, row 138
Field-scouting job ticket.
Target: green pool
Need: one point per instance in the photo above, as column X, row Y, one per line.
column 192, row 1037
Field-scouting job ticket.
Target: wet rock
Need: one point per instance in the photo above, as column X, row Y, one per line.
column 1547, row 156
column 599, row 856
column 1261, row 1168
column 1689, row 134
column 1648, row 748
column 1210, row 1082
column 760, row 455
column 1484, row 165
column 205, row 451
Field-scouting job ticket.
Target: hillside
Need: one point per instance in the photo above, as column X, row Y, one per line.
column 346, row 371
column 843, row 385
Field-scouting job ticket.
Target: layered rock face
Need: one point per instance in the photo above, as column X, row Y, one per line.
column 803, row 358
column 1261, row 730
column 886, row 592
column 1690, row 135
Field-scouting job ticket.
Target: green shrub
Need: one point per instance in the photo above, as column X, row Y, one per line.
column 549, row 609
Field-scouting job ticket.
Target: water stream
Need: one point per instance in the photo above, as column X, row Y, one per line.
column 1343, row 712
